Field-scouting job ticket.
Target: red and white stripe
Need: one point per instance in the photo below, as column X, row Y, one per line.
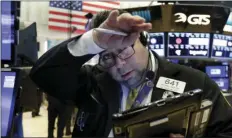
column 59, row 18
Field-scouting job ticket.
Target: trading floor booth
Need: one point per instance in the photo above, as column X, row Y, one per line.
column 180, row 33
column 196, row 35
column 11, row 111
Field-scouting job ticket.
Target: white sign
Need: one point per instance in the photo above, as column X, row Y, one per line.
column 194, row 19
column 215, row 71
column 171, row 85
column 9, row 82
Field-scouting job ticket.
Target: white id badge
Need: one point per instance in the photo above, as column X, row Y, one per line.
column 171, row 85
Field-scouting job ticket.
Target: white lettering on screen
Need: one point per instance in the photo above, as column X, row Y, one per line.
column 194, row 19
column 198, row 41
column 218, row 53
column 219, row 42
column 202, row 52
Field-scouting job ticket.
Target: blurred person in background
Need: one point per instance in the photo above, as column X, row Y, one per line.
column 61, row 111
column 39, row 95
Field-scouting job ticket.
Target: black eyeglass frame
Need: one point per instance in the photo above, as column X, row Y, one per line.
column 115, row 56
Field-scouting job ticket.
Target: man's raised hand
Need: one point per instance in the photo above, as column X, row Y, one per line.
column 132, row 25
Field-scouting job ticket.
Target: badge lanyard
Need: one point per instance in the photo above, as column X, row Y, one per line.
column 148, row 86
column 143, row 93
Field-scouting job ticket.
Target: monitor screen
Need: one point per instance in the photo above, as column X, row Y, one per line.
column 145, row 13
column 8, row 100
column 8, row 30
column 221, row 46
column 217, row 71
column 223, row 83
column 188, row 45
column 27, row 50
column 156, row 43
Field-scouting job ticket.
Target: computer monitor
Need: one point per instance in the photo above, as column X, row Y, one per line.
column 8, row 33
column 221, row 47
column 156, row 43
column 27, row 50
column 217, row 71
column 9, row 89
column 223, row 83
column 188, row 45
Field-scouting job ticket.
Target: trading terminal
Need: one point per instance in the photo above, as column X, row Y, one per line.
column 197, row 35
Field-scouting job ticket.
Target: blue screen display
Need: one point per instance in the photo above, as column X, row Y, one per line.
column 8, row 100
column 221, row 46
column 223, row 83
column 8, row 30
column 156, row 43
column 195, row 45
column 217, row 71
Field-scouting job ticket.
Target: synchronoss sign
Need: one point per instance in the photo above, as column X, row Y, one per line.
column 194, row 19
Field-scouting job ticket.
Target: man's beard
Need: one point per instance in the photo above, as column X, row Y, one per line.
column 137, row 80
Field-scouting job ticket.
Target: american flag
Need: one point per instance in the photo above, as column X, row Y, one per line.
column 59, row 13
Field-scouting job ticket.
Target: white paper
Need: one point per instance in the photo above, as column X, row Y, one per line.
column 9, row 82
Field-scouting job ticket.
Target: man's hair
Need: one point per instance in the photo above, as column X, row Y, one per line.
column 100, row 17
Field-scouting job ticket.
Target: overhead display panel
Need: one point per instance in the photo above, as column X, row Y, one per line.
column 156, row 43
column 188, row 45
column 221, row 46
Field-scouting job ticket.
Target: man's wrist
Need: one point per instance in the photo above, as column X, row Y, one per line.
column 95, row 39
column 84, row 45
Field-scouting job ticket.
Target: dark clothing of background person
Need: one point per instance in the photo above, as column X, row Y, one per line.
column 68, row 124
column 72, row 83
column 35, row 112
column 57, row 109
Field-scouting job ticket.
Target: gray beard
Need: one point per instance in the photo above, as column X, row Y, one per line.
column 137, row 81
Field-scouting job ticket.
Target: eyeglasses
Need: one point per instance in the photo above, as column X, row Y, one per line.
column 109, row 59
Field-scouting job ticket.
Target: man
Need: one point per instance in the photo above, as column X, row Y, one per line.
column 123, row 63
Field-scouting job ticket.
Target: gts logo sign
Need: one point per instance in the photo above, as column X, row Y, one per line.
column 194, row 19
